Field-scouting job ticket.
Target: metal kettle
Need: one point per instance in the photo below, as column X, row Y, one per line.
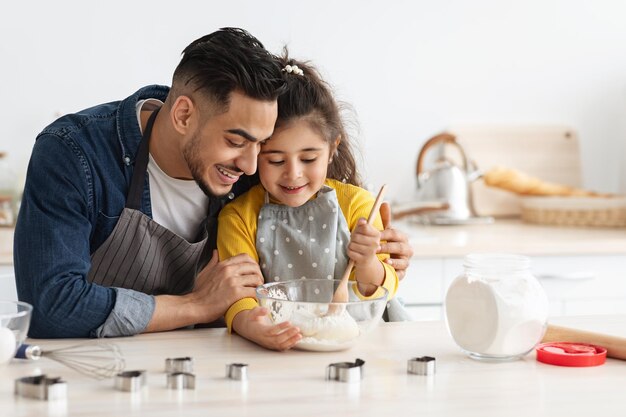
column 447, row 183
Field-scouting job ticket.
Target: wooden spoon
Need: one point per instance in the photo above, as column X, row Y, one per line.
column 341, row 293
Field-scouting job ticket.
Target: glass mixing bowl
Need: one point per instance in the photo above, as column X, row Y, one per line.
column 325, row 326
column 14, row 323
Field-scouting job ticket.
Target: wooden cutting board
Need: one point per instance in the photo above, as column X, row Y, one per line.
column 547, row 152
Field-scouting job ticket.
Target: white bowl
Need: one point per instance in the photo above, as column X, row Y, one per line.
column 325, row 326
column 14, row 323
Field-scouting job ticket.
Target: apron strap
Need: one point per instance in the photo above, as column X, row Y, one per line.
column 133, row 199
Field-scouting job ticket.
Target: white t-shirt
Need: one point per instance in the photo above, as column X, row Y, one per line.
column 178, row 205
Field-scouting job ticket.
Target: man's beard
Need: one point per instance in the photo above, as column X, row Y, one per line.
column 190, row 153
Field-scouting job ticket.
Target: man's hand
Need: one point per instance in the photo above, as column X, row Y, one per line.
column 397, row 243
column 217, row 287
column 255, row 326
column 221, row 284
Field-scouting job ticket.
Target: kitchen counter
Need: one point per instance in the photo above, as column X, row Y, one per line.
column 512, row 236
column 292, row 383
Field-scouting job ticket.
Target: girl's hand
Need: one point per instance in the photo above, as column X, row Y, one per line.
column 364, row 243
column 255, row 326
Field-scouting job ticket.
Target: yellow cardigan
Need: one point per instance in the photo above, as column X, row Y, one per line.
column 237, row 227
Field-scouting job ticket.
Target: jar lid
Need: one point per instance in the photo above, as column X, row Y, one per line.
column 571, row 354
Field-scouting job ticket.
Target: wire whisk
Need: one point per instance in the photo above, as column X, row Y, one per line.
column 96, row 360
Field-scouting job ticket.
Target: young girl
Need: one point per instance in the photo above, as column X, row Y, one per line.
column 297, row 222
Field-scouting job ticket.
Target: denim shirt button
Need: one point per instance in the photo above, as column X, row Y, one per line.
column 127, row 160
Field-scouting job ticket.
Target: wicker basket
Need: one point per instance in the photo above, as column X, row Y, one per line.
column 575, row 211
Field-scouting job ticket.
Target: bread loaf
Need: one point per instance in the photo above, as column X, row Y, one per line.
column 521, row 183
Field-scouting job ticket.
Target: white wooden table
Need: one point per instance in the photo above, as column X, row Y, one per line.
column 293, row 383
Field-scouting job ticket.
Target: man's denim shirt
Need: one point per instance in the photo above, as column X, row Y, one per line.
column 78, row 177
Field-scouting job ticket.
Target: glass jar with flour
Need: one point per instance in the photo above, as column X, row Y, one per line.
column 496, row 309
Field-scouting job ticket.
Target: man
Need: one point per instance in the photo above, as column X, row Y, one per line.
column 113, row 236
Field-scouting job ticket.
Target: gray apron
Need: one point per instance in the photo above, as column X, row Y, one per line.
column 395, row 311
column 142, row 255
column 310, row 241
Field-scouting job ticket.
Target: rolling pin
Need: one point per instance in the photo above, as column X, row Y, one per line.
column 615, row 346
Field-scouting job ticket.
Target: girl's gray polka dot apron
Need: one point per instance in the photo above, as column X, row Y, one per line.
column 310, row 241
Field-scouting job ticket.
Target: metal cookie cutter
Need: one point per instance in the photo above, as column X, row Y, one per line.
column 237, row 371
column 181, row 380
column 424, row 365
column 178, row 365
column 41, row 387
column 346, row 371
column 130, row 381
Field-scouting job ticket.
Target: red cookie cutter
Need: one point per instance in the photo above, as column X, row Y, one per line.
column 571, row 354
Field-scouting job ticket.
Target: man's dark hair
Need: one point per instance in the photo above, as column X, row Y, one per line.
column 227, row 60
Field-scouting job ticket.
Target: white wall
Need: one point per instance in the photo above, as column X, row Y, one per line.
column 409, row 68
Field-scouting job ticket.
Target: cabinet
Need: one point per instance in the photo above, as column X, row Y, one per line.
column 422, row 289
column 575, row 284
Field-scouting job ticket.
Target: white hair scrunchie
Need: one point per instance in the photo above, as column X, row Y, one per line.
column 293, row 69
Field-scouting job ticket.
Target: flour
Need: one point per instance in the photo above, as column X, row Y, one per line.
column 277, row 293
column 496, row 315
column 320, row 331
column 332, row 329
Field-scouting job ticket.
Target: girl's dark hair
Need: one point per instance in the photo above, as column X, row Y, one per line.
column 309, row 98
column 227, row 60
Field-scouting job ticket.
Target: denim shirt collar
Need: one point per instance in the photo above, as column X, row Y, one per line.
column 128, row 131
